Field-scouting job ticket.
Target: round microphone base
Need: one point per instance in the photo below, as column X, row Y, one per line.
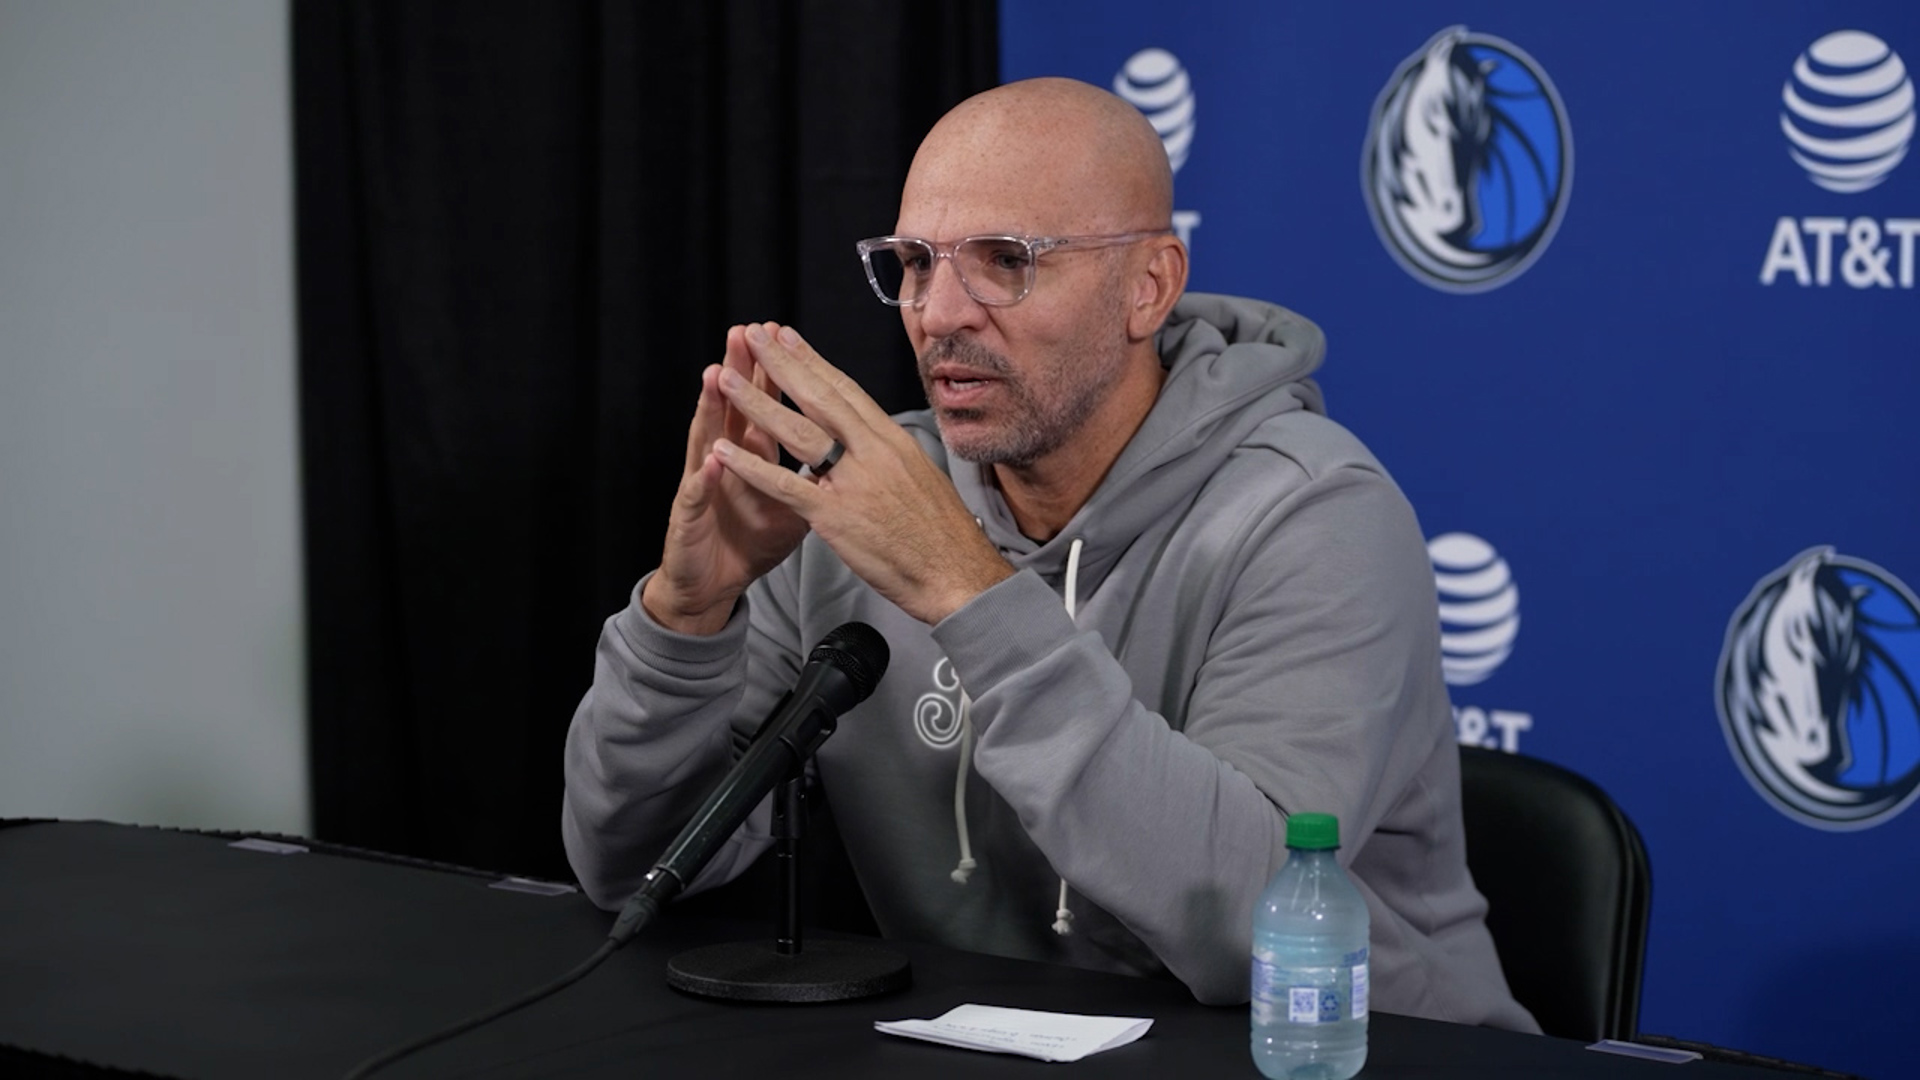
column 822, row 971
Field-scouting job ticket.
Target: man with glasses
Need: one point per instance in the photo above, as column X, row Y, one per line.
column 1143, row 598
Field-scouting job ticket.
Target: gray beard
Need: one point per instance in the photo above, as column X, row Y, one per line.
column 1033, row 427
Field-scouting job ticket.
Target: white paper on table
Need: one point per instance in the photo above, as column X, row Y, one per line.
column 1048, row 1036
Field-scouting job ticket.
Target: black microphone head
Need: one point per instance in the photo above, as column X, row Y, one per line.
column 858, row 651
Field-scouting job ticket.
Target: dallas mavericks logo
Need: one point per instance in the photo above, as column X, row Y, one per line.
column 1479, row 607
column 1468, row 162
column 1819, row 691
column 1849, row 111
column 1154, row 82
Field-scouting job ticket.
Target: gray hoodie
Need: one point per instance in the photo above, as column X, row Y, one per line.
column 1239, row 624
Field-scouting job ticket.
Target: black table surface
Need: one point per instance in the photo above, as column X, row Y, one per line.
column 173, row 953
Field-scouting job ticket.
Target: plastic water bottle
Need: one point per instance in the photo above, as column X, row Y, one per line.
column 1310, row 961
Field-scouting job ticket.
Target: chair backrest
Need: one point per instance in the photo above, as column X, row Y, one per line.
column 1568, row 887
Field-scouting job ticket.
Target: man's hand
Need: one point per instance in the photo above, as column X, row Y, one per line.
column 890, row 514
column 722, row 534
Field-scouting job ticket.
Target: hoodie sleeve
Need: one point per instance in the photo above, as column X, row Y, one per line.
column 653, row 735
column 1313, row 694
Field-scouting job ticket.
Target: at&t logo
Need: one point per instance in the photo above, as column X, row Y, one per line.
column 1479, row 607
column 1818, row 689
column 1868, row 260
column 1479, row 620
column 1847, row 111
column 1468, row 162
column 1155, row 82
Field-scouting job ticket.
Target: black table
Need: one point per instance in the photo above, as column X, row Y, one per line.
column 174, row 953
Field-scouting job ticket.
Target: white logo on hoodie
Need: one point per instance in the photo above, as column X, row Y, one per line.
column 936, row 716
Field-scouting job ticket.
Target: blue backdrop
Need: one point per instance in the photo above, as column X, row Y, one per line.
column 1624, row 295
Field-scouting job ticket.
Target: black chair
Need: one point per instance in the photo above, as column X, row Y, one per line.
column 1568, row 886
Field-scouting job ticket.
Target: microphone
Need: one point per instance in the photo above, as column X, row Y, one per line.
column 840, row 673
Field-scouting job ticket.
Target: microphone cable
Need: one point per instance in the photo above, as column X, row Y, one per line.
column 636, row 915
column 840, row 673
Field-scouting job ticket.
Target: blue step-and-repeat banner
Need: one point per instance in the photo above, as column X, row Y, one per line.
column 1625, row 296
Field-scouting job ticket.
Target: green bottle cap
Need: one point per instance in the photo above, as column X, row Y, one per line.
column 1313, row 832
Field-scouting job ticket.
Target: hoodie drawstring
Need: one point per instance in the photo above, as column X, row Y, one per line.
column 1062, row 917
column 965, row 868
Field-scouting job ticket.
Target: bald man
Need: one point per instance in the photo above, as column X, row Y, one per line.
column 1144, row 599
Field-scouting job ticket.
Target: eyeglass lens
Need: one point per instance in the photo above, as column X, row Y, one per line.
column 995, row 270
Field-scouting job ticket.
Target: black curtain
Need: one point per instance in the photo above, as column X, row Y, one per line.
column 522, row 230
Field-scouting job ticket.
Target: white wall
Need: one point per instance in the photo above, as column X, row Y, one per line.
column 151, row 627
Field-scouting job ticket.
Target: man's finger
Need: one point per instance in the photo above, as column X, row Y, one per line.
column 709, row 415
column 803, row 438
column 739, row 360
column 788, row 488
column 836, row 380
column 818, row 389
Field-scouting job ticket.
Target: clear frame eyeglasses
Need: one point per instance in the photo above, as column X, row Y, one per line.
column 995, row 270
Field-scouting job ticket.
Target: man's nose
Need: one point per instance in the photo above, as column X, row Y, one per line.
column 948, row 306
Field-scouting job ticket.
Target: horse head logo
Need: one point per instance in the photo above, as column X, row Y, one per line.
column 1468, row 162
column 1434, row 136
column 1814, row 691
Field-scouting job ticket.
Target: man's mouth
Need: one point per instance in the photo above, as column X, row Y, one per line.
column 961, row 391
column 962, row 377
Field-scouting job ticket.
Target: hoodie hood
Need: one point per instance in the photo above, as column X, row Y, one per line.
column 1232, row 364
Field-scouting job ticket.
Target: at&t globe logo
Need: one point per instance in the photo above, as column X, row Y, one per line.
column 1468, row 162
column 1154, row 82
column 1818, row 690
column 1479, row 621
column 1849, row 111
column 1479, row 607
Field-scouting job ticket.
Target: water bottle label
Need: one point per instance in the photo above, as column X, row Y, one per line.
column 1304, row 996
column 1314, row 994
column 1309, row 995
column 1264, row 987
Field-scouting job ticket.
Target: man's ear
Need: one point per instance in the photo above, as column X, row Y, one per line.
column 1156, row 286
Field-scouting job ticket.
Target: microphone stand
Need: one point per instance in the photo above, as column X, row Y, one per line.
column 787, row 970
column 789, row 825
